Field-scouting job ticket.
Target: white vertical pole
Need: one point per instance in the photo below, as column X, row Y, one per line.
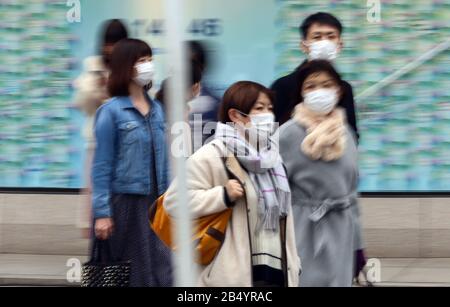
column 184, row 269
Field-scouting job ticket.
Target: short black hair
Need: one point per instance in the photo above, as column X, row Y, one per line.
column 195, row 73
column 198, row 53
column 113, row 31
column 314, row 67
column 124, row 57
column 322, row 19
column 194, row 76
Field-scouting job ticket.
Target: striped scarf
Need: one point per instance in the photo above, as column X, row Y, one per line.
column 267, row 173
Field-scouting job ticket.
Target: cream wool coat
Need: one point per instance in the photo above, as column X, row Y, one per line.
column 206, row 180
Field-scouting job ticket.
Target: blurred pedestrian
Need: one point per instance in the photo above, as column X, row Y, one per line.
column 320, row 153
column 130, row 168
column 202, row 104
column 205, row 105
column 192, row 90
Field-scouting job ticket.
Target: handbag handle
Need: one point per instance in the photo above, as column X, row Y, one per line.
column 224, row 162
column 102, row 251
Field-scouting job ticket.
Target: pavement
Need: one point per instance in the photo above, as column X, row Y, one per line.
column 64, row 270
column 39, row 270
column 414, row 272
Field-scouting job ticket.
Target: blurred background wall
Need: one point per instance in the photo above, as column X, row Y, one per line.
column 393, row 227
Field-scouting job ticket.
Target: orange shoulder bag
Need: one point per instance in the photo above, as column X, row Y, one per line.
column 209, row 231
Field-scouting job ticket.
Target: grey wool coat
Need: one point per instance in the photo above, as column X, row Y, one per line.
column 325, row 209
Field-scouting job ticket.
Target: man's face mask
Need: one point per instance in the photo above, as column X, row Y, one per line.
column 323, row 50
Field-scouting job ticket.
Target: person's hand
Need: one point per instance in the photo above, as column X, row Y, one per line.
column 104, row 228
column 234, row 190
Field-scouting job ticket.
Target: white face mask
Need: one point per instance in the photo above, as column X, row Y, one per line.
column 145, row 73
column 321, row 101
column 263, row 122
column 323, row 50
column 261, row 130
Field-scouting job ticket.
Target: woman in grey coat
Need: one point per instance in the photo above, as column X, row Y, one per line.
column 320, row 154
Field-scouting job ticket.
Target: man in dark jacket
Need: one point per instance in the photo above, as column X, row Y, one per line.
column 321, row 39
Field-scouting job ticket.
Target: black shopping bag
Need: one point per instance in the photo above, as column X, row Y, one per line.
column 103, row 270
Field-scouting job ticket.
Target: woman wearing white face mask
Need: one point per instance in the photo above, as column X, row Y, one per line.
column 320, row 154
column 130, row 168
column 259, row 244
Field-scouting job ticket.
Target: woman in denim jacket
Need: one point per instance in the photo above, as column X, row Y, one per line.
column 130, row 168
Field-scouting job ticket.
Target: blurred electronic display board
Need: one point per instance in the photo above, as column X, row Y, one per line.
column 404, row 126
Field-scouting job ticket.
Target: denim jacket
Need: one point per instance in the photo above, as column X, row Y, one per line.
column 128, row 144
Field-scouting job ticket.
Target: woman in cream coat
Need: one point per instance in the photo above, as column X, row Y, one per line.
column 259, row 247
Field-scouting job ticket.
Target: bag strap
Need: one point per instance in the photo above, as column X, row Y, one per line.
column 230, row 175
column 102, row 252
